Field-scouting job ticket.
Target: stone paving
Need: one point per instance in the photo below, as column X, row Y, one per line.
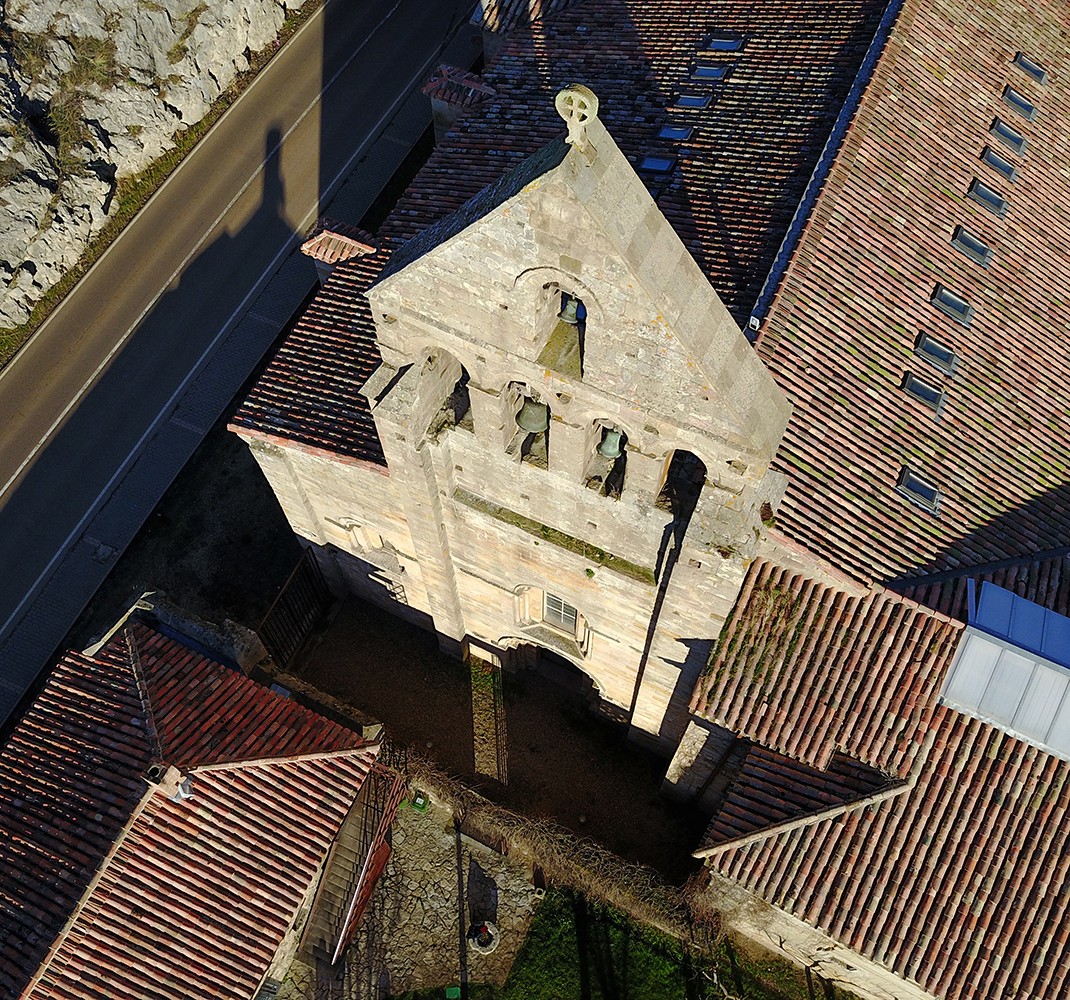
column 436, row 885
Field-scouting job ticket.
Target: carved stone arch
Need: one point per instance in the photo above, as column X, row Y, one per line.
column 528, row 287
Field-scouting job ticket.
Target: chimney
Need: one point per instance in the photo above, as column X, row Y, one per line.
column 451, row 91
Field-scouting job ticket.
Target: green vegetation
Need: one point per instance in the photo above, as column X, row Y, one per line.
column 576, row 950
column 178, row 51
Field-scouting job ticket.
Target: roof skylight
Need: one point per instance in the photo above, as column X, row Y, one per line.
column 999, row 163
column 692, row 101
column 1035, row 70
column 1020, row 103
column 677, row 133
column 722, row 41
column 923, row 391
column 657, row 164
column 918, row 490
column 952, row 305
column 988, row 197
column 705, row 70
column 938, row 354
column 971, row 246
column 1010, row 137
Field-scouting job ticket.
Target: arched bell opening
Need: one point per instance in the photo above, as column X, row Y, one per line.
column 456, row 406
column 527, row 425
column 685, row 476
column 606, row 460
column 563, row 316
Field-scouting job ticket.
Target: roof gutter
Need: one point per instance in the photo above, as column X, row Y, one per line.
column 821, row 170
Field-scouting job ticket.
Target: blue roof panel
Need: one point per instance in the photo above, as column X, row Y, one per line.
column 1023, row 623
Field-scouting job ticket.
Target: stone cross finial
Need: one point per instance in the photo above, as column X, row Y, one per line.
column 577, row 104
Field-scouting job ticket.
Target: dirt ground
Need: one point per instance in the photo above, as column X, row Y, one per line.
column 563, row 761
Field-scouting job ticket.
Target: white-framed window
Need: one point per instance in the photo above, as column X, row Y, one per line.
column 559, row 613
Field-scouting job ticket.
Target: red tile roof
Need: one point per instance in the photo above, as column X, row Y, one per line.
column 737, row 182
column 810, row 671
column 507, row 15
column 960, row 882
column 73, row 783
column 332, row 242
column 456, row 87
column 840, row 336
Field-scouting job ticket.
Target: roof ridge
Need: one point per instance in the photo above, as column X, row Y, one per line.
column 151, row 730
column 978, row 570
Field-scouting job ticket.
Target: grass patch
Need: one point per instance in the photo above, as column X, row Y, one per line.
column 133, row 192
column 576, row 949
column 178, row 51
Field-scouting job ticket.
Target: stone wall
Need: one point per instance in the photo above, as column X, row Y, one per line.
column 94, row 91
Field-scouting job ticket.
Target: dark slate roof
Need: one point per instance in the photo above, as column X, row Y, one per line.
column 734, row 190
column 73, row 777
column 841, row 334
column 479, row 205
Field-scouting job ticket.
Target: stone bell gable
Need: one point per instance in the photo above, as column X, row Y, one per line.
column 658, row 348
column 577, row 433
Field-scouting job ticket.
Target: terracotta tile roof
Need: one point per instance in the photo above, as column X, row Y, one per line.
column 809, row 671
column 771, row 791
column 201, row 892
column 501, row 16
column 73, row 783
column 310, row 392
column 456, row 87
column 332, row 242
column 1043, row 580
column 841, row 334
column 737, row 181
column 960, row 884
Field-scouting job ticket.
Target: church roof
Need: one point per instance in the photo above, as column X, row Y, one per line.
column 988, row 427
column 958, row 881
column 127, row 892
column 736, row 182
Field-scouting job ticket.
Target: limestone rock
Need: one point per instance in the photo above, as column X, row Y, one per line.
column 92, row 91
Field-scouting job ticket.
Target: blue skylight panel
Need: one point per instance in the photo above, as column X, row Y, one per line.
column 657, row 164
column 677, row 133
column 692, row 102
column 1011, row 138
column 723, row 41
column 710, row 71
column 987, row 197
column 1034, row 69
column 999, row 163
column 1020, row 103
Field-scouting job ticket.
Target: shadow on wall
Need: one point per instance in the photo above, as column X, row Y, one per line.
column 482, row 895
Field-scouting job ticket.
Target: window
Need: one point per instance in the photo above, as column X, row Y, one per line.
column 692, row 101
column 939, row 355
column 987, row 197
column 952, row 305
column 723, row 41
column 999, row 163
column 677, row 133
column 703, row 70
column 918, row 490
column 923, row 391
column 1008, row 136
column 657, row 164
column 559, row 613
column 1035, row 70
column 1019, row 103
column 971, row 246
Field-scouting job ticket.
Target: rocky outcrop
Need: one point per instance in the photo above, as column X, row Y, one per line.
column 92, row 91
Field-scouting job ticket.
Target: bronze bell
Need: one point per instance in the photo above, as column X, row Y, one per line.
column 568, row 311
column 609, row 446
column 533, row 417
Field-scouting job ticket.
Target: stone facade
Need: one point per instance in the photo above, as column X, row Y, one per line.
column 537, row 542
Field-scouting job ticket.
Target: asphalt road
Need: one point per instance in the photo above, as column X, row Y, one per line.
column 75, row 403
